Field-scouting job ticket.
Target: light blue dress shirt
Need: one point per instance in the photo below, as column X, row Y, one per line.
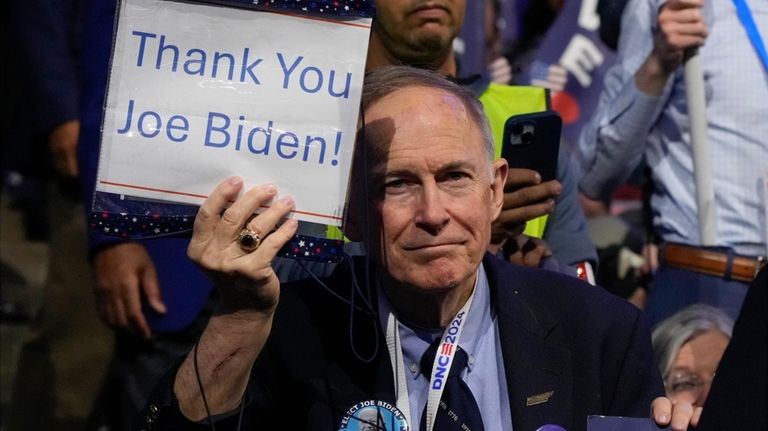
column 629, row 125
column 484, row 374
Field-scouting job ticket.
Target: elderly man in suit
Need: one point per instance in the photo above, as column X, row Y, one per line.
column 429, row 329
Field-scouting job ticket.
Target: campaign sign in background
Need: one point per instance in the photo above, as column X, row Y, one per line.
column 198, row 93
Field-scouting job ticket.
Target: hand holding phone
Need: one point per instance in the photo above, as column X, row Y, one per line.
column 525, row 198
column 530, row 145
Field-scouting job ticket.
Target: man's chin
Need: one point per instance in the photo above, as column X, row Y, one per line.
column 437, row 277
column 428, row 46
column 433, row 286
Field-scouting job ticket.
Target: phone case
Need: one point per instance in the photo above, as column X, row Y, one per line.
column 532, row 141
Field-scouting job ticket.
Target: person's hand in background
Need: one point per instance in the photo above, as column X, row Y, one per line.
column 124, row 275
column 525, row 198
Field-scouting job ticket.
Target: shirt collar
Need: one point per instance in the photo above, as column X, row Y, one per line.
column 415, row 341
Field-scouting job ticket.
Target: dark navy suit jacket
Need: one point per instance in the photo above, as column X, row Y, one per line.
column 557, row 333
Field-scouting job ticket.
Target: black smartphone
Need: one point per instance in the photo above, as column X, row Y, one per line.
column 532, row 141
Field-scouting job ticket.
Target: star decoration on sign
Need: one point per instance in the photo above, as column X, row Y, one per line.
column 148, row 225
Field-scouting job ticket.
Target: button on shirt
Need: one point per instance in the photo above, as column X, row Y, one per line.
column 484, row 374
column 629, row 125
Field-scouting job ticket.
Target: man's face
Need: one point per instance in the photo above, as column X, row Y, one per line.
column 434, row 192
column 418, row 31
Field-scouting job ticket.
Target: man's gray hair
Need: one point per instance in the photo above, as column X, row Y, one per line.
column 386, row 80
column 670, row 335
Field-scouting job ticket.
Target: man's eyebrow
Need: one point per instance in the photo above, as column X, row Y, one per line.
column 456, row 165
column 381, row 171
column 384, row 172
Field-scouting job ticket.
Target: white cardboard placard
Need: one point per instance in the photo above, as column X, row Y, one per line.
column 198, row 93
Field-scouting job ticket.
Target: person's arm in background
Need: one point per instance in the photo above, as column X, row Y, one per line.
column 636, row 89
column 50, row 33
column 124, row 272
column 612, row 142
column 567, row 233
column 565, row 244
column 680, row 26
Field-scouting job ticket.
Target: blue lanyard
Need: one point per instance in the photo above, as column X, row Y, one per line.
column 749, row 24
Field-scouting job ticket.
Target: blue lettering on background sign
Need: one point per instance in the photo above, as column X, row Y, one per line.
column 311, row 78
column 287, row 145
column 196, row 61
column 297, row 73
column 149, row 124
column 221, row 132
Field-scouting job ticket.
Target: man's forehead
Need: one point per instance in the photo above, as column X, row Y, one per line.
column 414, row 111
column 402, row 142
column 425, row 102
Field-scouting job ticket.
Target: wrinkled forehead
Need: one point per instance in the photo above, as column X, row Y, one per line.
column 412, row 112
column 426, row 103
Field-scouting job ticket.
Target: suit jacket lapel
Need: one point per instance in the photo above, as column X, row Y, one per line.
column 350, row 379
column 346, row 392
column 538, row 371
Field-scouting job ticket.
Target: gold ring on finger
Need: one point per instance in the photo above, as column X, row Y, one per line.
column 248, row 240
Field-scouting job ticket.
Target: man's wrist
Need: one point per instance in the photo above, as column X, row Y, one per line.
column 652, row 76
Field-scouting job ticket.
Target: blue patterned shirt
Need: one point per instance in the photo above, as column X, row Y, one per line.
column 629, row 126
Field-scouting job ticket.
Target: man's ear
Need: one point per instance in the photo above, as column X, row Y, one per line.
column 500, row 170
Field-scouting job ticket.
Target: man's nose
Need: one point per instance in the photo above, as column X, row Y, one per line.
column 432, row 214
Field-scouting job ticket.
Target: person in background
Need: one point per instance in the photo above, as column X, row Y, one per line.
column 64, row 360
column 687, row 347
column 642, row 114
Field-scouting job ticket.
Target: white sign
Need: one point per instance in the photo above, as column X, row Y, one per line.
column 198, row 93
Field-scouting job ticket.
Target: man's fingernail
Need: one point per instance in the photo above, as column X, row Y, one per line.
column 235, row 181
column 270, row 188
column 287, row 201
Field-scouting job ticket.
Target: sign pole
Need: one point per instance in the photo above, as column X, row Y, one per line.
column 702, row 168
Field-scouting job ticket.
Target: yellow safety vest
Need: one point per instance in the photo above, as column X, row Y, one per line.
column 503, row 101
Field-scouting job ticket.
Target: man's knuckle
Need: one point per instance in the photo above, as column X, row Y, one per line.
column 231, row 217
column 204, row 214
